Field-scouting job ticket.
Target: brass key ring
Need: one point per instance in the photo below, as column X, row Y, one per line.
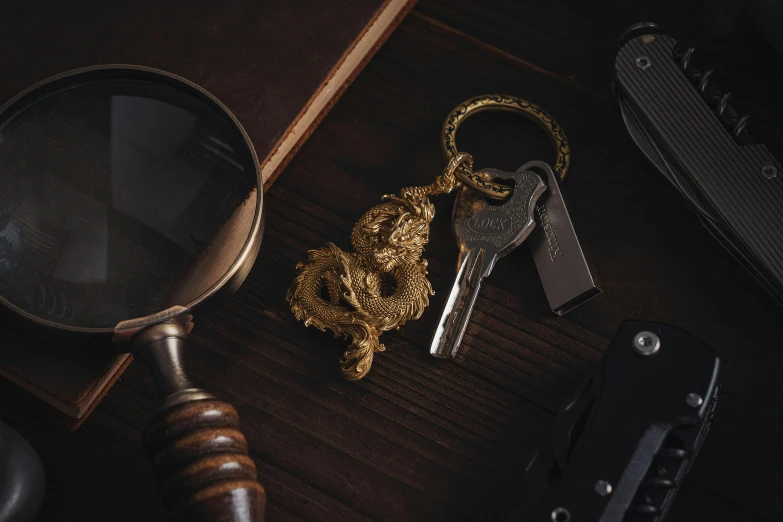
column 348, row 293
column 505, row 103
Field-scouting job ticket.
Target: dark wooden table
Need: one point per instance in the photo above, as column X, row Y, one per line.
column 422, row 439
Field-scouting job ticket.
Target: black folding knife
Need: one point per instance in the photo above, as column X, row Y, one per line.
column 620, row 450
column 689, row 130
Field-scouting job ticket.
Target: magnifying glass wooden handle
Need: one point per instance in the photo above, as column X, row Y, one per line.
column 197, row 450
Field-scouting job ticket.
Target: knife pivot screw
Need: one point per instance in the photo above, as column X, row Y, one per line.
column 769, row 171
column 603, row 488
column 643, row 62
column 646, row 343
column 561, row 514
column 694, row 400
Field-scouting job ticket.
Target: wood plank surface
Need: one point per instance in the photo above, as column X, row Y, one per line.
column 426, row 439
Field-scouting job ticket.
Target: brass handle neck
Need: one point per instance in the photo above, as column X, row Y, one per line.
column 160, row 346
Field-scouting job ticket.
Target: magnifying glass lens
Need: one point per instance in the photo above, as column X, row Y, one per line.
column 118, row 199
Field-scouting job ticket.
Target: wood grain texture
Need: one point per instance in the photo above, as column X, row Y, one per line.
column 426, row 439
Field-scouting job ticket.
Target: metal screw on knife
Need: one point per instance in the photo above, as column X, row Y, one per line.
column 603, row 488
column 485, row 233
column 694, row 400
column 769, row 171
column 646, row 343
column 643, row 62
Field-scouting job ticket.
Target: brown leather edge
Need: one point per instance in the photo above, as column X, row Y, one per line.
column 98, row 398
column 339, row 92
column 19, row 401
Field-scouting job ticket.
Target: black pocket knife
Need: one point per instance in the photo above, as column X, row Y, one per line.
column 620, row 449
column 690, row 132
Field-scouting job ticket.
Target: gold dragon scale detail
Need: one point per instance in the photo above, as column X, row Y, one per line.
column 382, row 283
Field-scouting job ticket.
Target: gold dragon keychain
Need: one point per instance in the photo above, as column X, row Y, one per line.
column 383, row 283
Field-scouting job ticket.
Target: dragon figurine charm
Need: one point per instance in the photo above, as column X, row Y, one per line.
column 383, row 282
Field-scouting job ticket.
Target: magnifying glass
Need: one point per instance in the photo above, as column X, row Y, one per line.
column 128, row 196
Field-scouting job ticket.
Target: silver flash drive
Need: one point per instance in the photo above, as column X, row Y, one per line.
column 560, row 261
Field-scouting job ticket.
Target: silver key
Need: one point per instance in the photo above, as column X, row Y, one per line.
column 484, row 233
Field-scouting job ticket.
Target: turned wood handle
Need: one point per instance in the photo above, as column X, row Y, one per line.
column 200, row 458
column 199, row 455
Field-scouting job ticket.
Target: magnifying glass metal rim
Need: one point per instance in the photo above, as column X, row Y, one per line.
column 237, row 272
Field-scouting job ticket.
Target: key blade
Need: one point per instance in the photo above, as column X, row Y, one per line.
column 485, row 233
column 459, row 305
